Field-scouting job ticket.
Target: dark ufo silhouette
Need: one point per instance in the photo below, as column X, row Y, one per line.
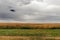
column 12, row 10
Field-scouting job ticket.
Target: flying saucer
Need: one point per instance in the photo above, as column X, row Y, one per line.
column 12, row 10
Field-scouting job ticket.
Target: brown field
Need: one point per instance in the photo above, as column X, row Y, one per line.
column 27, row 38
column 32, row 25
column 13, row 38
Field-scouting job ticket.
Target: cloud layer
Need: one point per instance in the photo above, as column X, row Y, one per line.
column 30, row 10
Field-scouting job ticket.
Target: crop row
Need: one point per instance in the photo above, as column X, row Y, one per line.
column 29, row 27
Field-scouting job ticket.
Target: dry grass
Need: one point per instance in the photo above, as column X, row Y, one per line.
column 18, row 38
column 13, row 38
column 31, row 25
column 28, row 38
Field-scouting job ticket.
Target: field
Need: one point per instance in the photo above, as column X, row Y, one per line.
column 30, row 32
column 28, row 38
column 29, row 25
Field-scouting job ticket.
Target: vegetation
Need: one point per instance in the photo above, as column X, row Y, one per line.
column 25, row 38
column 34, row 30
column 26, row 27
column 29, row 26
column 30, row 32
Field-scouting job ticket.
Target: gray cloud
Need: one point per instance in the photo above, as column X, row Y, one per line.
column 30, row 10
column 54, row 2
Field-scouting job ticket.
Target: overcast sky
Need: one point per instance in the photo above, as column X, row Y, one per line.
column 30, row 11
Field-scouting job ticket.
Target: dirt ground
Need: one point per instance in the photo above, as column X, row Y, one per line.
column 27, row 38
column 13, row 38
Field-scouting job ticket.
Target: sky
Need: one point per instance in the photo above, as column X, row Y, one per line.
column 32, row 11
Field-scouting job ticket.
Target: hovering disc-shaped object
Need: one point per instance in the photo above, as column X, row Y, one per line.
column 12, row 10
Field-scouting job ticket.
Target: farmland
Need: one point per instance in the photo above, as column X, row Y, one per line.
column 28, row 38
column 29, row 25
column 29, row 34
column 29, row 31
